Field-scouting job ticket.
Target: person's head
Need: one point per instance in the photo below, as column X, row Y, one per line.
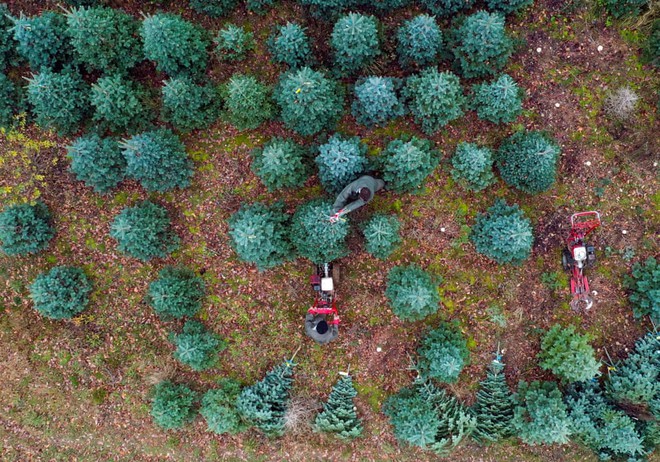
column 365, row 194
column 322, row 327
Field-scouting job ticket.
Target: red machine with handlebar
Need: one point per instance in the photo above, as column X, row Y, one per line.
column 579, row 255
column 324, row 287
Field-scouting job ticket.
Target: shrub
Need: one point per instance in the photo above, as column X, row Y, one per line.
column 315, row 236
column 355, row 42
column 290, row 45
column 59, row 100
column 189, row 106
column 119, row 104
column 443, row 354
column 508, row 6
column 622, row 8
column 61, row 293
column 644, row 288
column 104, row 38
column 338, row 415
column 25, row 229
column 435, row 99
column 281, row 163
column 528, row 161
column 197, row 347
column 219, row 409
column 259, row 234
column 309, row 101
column 247, row 102
column 568, row 354
column 98, row 162
column 419, row 41
column 233, row 43
column 446, row 7
column 144, row 232
column 499, row 101
column 340, row 161
column 376, row 101
column 482, row 45
column 473, row 166
column 172, row 405
column 412, row 292
column 540, row 415
column 406, row 164
column 158, row 160
column 493, row 408
column 176, row 46
column 8, row 100
column 178, row 292
column 213, row 8
column 42, row 40
column 621, row 104
column 382, row 235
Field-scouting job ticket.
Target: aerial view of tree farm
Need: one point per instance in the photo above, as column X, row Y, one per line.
column 330, row 230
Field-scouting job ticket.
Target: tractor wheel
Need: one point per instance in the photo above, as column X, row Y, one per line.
column 566, row 260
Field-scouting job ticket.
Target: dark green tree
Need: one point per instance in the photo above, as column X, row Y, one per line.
column 25, row 229
column 473, row 166
column 540, row 414
column 213, row 8
column 290, row 45
column 197, row 347
column 7, row 42
column 315, row 236
column 340, row 161
column 339, row 414
column 247, row 102
column 42, row 40
column 354, row 41
column 508, row 6
column 328, row 8
column 568, row 354
column 651, row 46
column 172, row 405
column 178, row 292
column 412, row 292
column 61, row 293
column 233, row 43
column 493, row 408
column 644, row 289
column 119, row 104
column 447, row 7
column 9, row 101
column 406, row 164
column 219, row 408
column 97, row 161
column 376, row 101
column 259, row 6
column 443, row 354
column 281, row 163
column 419, row 41
column 499, row 101
column 384, row 6
column 382, row 234
column 623, row 8
column 188, row 106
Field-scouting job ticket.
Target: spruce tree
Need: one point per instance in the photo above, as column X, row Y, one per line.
column 290, row 45
column 644, row 289
column 219, row 408
column 119, row 104
column 42, row 40
column 384, row 6
column 447, row 7
column 340, row 161
column 7, row 42
column 625, row 8
column 188, row 106
column 259, row 6
column 568, row 354
column 61, row 293
column 354, row 41
column 178, row 292
column 419, row 41
column 406, row 164
column 247, row 102
column 8, row 101
column 540, row 414
column 213, row 8
column 339, row 414
column 412, row 292
column 281, row 163
column 376, row 101
column 473, row 166
column 499, row 101
column 98, row 162
column 315, row 236
column 443, row 354
column 508, row 6
column 172, row 405
column 197, row 347
column 382, row 234
column 493, row 408
column 25, row 229
column 233, row 43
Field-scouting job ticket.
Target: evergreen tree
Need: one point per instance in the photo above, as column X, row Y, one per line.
column 644, row 288
column 406, row 164
column 382, row 235
column 177, row 293
column 384, row 6
column 264, row 403
column 25, row 229
column 412, row 292
column 247, row 102
column 233, row 43
column 376, row 101
column 119, row 104
column 104, row 38
column 144, row 232
column 499, row 101
column 61, row 293
column 503, row 233
column 7, row 43
column 435, row 99
column 472, row 166
column 158, row 160
column 482, row 46
column 213, row 8
column 189, row 106
column 197, row 347
column 219, row 408
column 259, row 6
column 568, row 354
column 340, row 161
column 355, row 42
column 42, row 40
column 443, row 354
column 59, row 100
column 651, row 46
column 339, row 414
column 447, row 7
column 315, row 236
column 290, row 45
column 8, row 100
column 508, row 6
column 493, row 409
column 97, row 161
column 281, row 163
column 309, row 101
column 260, row 235
column 540, row 415
column 419, row 41
column 172, row 405
column 328, row 8
column 528, row 161
column 176, row 45
column 623, row 8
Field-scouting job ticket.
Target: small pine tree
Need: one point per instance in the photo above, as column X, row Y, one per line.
column 382, row 235
column 177, row 46
column 103, row 38
column 247, row 102
column 435, row 99
column 25, row 229
column 623, row 8
column 8, row 100
column 376, row 101
column 644, row 288
column 568, row 354
column 213, row 8
column 443, row 354
column 260, row 235
column 447, row 7
column 340, row 161
column 197, row 347
column 259, row 6
column 42, row 40
column 189, row 106
column 61, row 293
column 473, row 166
column 412, row 292
column 540, row 415
column 233, row 43
column 508, row 6
column 419, row 41
column 264, row 403
column 309, row 101
column 144, row 232
column 97, row 161
column 158, row 160
column 499, row 101
column 7, row 42
column 219, row 408
column 339, row 415
column 290, row 45
column 119, row 104
column 384, row 6
column 315, row 236
column 406, row 164
column 355, row 42
column 503, row 233
column 482, row 46
column 493, row 408
column 328, row 8
column 177, row 293
column 59, row 100
column 528, row 161
column 281, row 163
column 172, row 405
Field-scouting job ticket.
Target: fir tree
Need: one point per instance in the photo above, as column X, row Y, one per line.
column 406, row 164
column 508, row 6
column 328, row 8
column 247, row 102
column 97, row 161
column 540, row 415
column 419, row 41
column 339, row 415
column 493, row 409
column 8, row 101
column 651, row 46
column 384, row 6
column 443, row 354
column 376, row 101
column 61, row 293
column 172, row 405
column 197, row 347
column 213, row 8
column 25, row 229
column 119, row 104
column 219, row 408
column 315, row 236
column 281, row 163
column 259, row 6
column 499, row 101
column 340, row 161
column 623, row 8
column 412, row 292
column 177, row 293
column 472, row 166
column 568, row 354
column 644, row 288
column 382, row 235
column 290, row 45
column 42, row 40
column 189, row 106
column 446, row 7
column 233, row 43
column 7, row 43
column 355, row 42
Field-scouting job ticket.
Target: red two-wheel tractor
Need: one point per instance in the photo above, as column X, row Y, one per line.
column 579, row 255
